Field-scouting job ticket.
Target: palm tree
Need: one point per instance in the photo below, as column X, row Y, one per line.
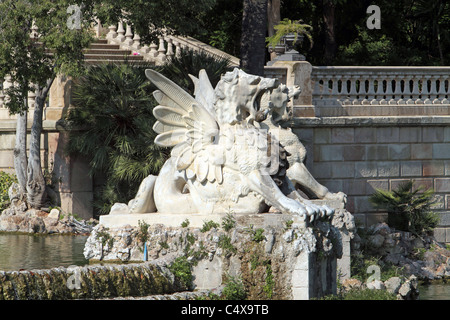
column 113, row 109
column 112, row 122
column 408, row 208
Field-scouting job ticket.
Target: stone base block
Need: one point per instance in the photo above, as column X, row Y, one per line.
column 196, row 220
column 276, row 256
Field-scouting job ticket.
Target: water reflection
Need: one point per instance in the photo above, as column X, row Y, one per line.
column 435, row 291
column 21, row 251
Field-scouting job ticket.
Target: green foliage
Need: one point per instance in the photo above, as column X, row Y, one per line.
column 222, row 29
column 234, row 289
column 185, row 223
column 413, row 32
column 182, row 269
column 228, row 222
column 409, row 209
column 6, row 180
column 226, row 245
column 112, row 126
column 270, row 283
column 142, row 234
column 361, row 262
column 364, row 294
column 26, row 59
column 105, row 237
column 208, row 225
column 258, row 235
column 287, row 26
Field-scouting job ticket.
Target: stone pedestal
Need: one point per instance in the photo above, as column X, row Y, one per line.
column 276, row 256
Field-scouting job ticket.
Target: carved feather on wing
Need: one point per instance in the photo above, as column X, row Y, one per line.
column 186, row 125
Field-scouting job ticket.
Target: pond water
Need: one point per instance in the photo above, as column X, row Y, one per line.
column 434, row 291
column 22, row 251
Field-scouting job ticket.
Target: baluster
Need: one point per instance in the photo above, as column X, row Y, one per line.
column 397, row 94
column 169, row 52
column 345, row 90
column 407, row 92
column 420, row 84
column 153, row 52
column 177, row 48
column 401, row 99
column 389, row 92
column 360, row 90
column 378, row 90
column 161, row 50
column 120, row 32
column 136, row 41
column 434, row 90
column 333, row 99
column 442, row 92
column 353, row 91
column 427, row 97
column 369, row 93
column 128, row 35
column 415, row 91
column 112, row 33
column 327, row 89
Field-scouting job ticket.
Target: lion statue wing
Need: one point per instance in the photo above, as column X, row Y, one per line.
column 184, row 124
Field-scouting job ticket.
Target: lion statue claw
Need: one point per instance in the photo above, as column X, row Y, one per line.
column 229, row 151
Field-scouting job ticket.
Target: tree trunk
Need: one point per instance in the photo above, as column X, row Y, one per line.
column 36, row 193
column 20, row 152
column 329, row 8
column 253, row 39
column 273, row 18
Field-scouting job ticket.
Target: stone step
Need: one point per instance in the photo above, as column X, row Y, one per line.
column 112, row 57
column 96, row 45
column 103, row 41
column 105, row 51
column 123, row 61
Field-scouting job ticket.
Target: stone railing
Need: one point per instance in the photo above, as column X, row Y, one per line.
column 167, row 46
column 380, row 90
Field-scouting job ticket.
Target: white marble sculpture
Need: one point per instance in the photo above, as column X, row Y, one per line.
column 228, row 151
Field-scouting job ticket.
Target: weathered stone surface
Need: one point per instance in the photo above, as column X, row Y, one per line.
column 89, row 282
column 401, row 248
column 18, row 218
column 299, row 260
column 393, row 284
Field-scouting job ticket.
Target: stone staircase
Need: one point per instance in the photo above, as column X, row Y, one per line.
column 100, row 51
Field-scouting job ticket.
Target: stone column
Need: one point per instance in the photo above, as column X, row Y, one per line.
column 72, row 183
column 299, row 74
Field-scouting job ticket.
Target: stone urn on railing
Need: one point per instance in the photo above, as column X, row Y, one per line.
column 287, row 34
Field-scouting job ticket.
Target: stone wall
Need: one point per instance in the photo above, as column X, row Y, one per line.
column 67, row 175
column 89, row 282
column 357, row 155
column 276, row 256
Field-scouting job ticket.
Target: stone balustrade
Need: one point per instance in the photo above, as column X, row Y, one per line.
column 379, row 91
column 168, row 45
